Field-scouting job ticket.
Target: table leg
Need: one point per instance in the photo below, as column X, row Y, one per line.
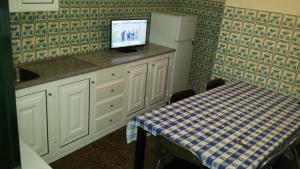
column 140, row 149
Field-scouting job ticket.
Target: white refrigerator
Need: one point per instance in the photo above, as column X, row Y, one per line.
column 176, row 30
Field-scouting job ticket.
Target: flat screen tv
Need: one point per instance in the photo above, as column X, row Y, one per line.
column 126, row 34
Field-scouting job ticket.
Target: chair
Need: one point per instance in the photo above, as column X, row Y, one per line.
column 181, row 95
column 278, row 160
column 214, row 83
column 184, row 158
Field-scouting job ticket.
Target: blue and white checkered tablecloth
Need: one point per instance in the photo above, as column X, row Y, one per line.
column 235, row 126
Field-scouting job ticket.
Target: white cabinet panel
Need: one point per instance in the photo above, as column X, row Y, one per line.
column 32, row 121
column 37, row 1
column 73, row 111
column 33, row 5
column 159, row 72
column 137, row 86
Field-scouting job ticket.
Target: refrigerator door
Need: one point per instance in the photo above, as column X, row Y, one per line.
column 163, row 29
column 182, row 66
column 187, row 28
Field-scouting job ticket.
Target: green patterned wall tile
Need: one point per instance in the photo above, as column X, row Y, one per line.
column 298, row 23
column 279, row 60
column 272, row 32
column 28, row 44
column 268, row 50
column 295, row 51
column 262, row 17
column 29, row 56
column 41, row 28
column 16, row 45
column 282, row 48
column 14, row 17
column 269, row 45
column 288, row 21
column 275, row 19
column 285, row 34
column 80, row 23
column 260, row 30
column 251, row 15
column 40, row 16
column 15, row 31
column 245, row 40
column 248, row 28
column 272, row 84
column 53, row 27
column 296, row 37
column 41, row 43
column 27, row 17
column 41, row 54
column 27, row 30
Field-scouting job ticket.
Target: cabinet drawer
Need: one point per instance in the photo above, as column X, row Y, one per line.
column 106, row 121
column 109, row 75
column 109, row 90
column 111, row 105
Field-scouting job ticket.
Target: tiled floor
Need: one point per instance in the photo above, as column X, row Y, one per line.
column 109, row 152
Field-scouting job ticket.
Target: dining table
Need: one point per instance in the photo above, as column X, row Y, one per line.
column 235, row 126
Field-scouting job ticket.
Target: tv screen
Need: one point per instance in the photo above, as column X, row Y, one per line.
column 128, row 33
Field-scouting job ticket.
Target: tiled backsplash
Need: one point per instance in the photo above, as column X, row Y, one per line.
column 79, row 26
column 261, row 48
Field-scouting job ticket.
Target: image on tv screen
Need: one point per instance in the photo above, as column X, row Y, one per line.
column 125, row 33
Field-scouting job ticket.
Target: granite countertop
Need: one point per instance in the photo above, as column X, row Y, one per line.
column 63, row 67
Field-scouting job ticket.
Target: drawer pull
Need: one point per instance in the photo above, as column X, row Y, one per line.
column 113, row 74
column 110, row 120
column 49, row 94
column 112, row 90
column 93, row 82
column 112, row 105
column 128, row 72
column 153, row 65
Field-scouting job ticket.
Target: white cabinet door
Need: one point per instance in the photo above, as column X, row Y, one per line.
column 137, row 86
column 158, row 80
column 73, row 111
column 33, row 5
column 32, row 121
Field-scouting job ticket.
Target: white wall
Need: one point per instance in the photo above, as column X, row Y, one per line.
column 280, row 6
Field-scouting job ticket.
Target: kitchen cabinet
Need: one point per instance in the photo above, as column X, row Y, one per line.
column 53, row 118
column 59, row 117
column 137, row 78
column 158, row 80
column 33, row 5
column 108, row 114
column 73, row 111
column 32, row 121
column 148, row 84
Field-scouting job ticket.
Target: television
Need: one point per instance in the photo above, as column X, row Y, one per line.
column 126, row 34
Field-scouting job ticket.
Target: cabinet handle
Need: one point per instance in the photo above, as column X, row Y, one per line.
column 153, row 65
column 93, row 82
column 49, row 94
column 110, row 120
column 113, row 74
column 128, row 72
column 112, row 90
column 112, row 105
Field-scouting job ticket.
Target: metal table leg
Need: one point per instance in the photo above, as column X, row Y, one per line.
column 140, row 149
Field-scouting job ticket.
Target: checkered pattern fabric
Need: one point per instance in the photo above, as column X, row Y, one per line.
column 235, row 126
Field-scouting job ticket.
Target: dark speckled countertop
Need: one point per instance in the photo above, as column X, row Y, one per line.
column 63, row 67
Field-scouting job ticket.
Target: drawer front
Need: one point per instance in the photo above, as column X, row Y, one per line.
column 106, row 121
column 109, row 90
column 106, row 107
column 111, row 74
